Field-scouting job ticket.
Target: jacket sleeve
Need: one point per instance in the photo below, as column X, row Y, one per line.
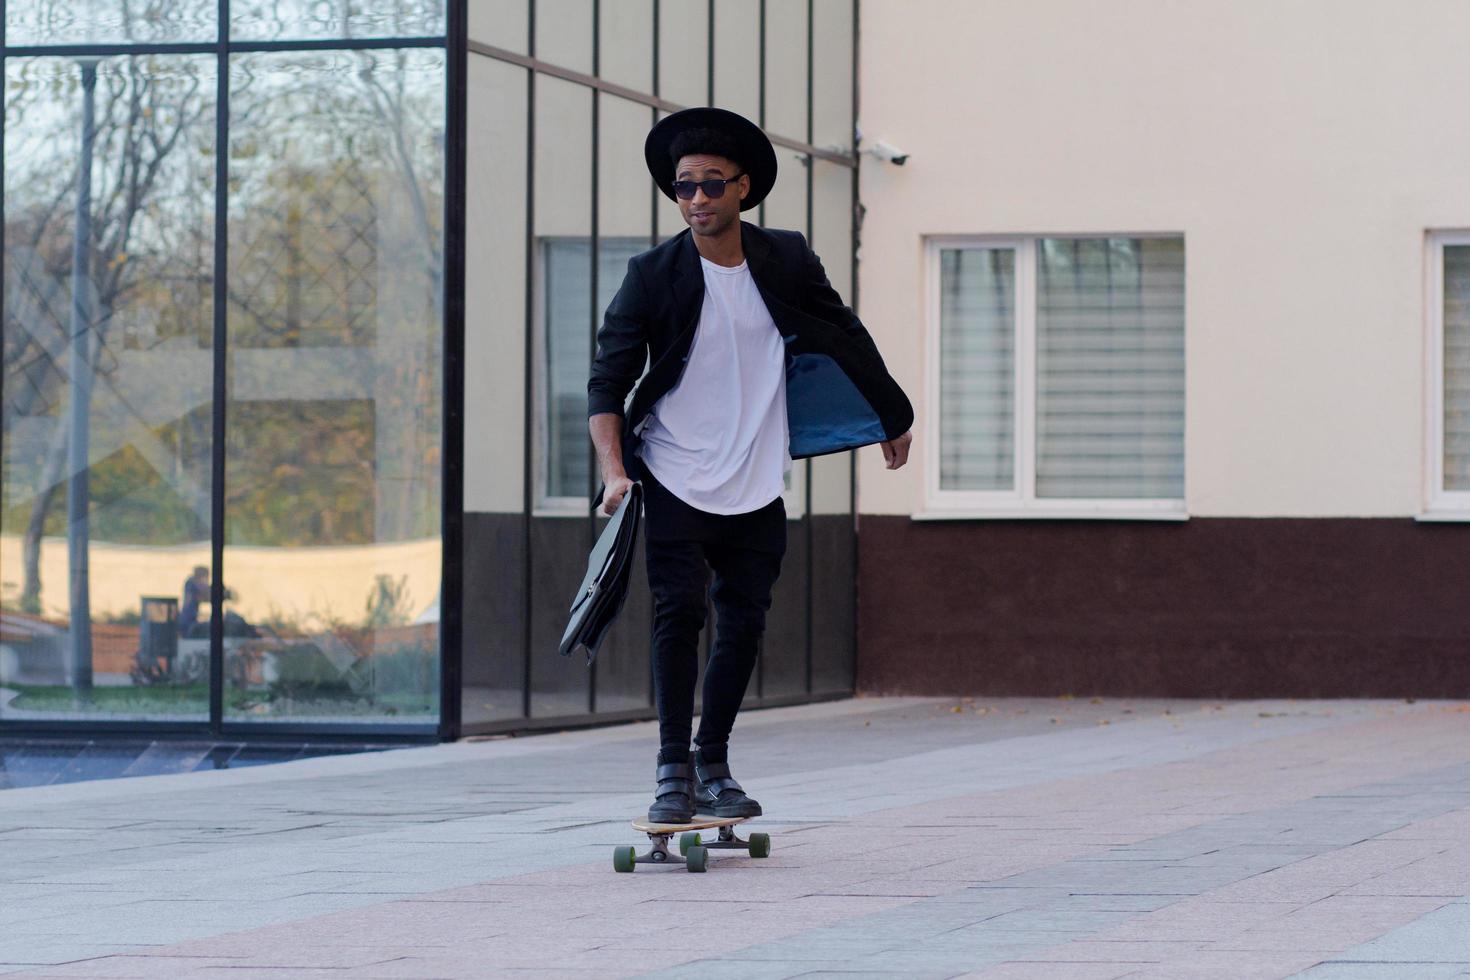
column 622, row 347
column 894, row 409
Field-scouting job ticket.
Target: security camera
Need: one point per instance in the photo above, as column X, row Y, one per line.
column 888, row 152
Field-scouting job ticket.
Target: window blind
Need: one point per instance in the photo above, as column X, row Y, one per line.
column 567, row 452
column 1110, row 368
column 1456, row 421
column 977, row 349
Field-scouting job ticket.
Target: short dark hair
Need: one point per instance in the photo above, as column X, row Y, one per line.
column 714, row 142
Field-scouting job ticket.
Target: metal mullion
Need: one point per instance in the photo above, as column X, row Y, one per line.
column 806, row 513
column 594, row 258
column 133, row 729
column 109, row 50
column 3, row 68
column 253, row 731
column 760, row 661
column 761, row 98
column 709, row 616
column 709, row 65
column 652, row 241
column 451, row 516
column 653, row 121
column 854, row 229
column 211, row 47
column 342, row 44
column 220, row 379
column 527, row 403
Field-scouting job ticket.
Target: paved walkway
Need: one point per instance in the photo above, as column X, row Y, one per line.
column 1002, row 839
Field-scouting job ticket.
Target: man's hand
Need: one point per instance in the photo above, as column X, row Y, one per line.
column 613, row 493
column 896, row 451
column 607, row 435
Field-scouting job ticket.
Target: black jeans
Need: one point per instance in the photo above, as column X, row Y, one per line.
column 683, row 546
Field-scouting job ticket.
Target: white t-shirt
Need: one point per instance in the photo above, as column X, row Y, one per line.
column 717, row 440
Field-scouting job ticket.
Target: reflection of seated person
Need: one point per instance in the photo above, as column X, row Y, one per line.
column 196, row 593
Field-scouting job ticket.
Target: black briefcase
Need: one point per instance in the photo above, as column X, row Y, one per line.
column 605, row 586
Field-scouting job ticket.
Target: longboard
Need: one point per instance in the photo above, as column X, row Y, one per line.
column 693, row 849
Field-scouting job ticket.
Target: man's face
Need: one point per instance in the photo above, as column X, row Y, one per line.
column 711, row 215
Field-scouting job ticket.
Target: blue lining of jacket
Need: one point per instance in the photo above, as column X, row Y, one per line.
column 825, row 412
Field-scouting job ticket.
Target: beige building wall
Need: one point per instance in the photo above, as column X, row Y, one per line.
column 1302, row 149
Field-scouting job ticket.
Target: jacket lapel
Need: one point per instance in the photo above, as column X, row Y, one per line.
column 688, row 286
column 757, row 249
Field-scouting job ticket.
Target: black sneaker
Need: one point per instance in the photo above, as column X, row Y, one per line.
column 673, row 799
column 720, row 795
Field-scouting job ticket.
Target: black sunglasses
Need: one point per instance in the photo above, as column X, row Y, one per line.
column 713, row 188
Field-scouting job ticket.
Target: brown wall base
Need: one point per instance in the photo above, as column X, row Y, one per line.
column 1211, row 607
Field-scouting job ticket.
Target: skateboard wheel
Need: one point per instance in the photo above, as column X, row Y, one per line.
column 688, row 840
column 698, row 858
column 760, row 845
column 623, row 858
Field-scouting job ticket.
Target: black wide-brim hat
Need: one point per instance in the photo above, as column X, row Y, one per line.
column 757, row 156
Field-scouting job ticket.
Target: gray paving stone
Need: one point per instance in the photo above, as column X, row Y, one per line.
column 1335, row 970
column 1440, row 936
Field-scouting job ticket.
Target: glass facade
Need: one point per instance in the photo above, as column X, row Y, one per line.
column 299, row 300
column 224, row 323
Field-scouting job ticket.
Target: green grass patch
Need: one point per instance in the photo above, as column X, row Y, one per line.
column 183, row 699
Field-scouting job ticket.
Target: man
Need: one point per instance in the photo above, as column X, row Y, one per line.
column 196, row 592
column 753, row 360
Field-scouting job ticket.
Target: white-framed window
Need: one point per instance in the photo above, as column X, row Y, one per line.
column 1055, row 377
column 1447, row 385
column 564, row 457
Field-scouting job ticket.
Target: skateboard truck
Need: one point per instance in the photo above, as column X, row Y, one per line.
column 693, row 851
column 758, row 846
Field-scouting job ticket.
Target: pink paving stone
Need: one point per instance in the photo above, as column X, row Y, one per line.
column 111, row 968
column 1053, row 971
column 1097, row 951
column 1211, row 965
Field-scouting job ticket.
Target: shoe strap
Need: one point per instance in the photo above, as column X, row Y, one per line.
column 674, row 770
column 714, row 787
column 713, row 770
column 674, row 779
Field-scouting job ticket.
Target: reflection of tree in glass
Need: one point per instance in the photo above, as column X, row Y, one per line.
column 336, row 200
column 305, row 474
column 108, row 21
column 150, row 290
column 389, row 604
column 335, row 158
column 272, row 19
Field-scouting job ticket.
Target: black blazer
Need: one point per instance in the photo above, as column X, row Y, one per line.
column 839, row 394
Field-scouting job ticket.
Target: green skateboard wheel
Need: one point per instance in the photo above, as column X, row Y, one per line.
column 698, row 858
column 688, row 840
column 760, row 845
column 623, row 858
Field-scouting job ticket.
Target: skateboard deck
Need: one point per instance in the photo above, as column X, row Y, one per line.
column 693, row 848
